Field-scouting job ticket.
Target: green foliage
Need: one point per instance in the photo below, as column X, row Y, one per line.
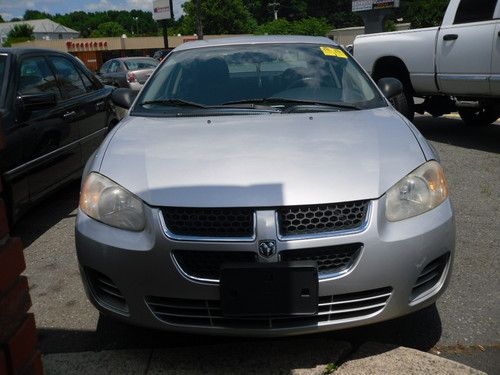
column 281, row 26
column 330, row 368
column 1, row 19
column 219, row 17
column 35, row 15
column 108, row 29
column 307, row 26
column 18, row 34
column 423, row 13
column 390, row 25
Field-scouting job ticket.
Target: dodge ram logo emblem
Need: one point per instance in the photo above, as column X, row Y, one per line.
column 267, row 248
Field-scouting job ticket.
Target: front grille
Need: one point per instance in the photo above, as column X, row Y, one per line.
column 333, row 259
column 429, row 276
column 209, row 222
column 208, row 313
column 314, row 219
column 106, row 292
column 206, row 264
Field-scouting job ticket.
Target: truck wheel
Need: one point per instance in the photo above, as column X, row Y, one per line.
column 401, row 104
column 479, row 117
column 404, row 103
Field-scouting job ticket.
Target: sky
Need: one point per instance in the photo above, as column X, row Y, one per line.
column 16, row 8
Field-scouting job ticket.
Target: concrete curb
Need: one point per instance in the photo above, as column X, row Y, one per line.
column 316, row 357
column 383, row 359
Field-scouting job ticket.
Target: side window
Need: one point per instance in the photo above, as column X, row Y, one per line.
column 71, row 81
column 36, row 77
column 474, row 11
column 89, row 86
column 114, row 67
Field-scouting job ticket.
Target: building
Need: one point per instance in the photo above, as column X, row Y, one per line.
column 347, row 35
column 96, row 51
column 44, row 29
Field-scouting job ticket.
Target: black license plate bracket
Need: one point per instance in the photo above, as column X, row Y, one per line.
column 269, row 289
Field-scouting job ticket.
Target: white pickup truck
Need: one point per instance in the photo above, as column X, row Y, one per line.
column 455, row 66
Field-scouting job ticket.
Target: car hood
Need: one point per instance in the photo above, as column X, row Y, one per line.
column 262, row 160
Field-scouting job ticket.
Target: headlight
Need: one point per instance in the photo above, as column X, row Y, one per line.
column 420, row 191
column 109, row 203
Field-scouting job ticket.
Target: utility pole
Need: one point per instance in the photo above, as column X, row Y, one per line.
column 165, row 33
column 275, row 5
column 199, row 25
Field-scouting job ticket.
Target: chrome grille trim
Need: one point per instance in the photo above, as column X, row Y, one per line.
column 208, row 313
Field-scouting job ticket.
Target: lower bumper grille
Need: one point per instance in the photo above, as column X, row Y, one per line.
column 208, row 313
column 430, row 276
column 206, row 265
column 331, row 260
column 106, row 292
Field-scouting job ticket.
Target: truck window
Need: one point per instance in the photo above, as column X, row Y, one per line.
column 474, row 11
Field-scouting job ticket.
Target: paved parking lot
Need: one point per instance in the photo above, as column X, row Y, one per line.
column 464, row 325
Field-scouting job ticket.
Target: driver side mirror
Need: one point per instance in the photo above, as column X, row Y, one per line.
column 35, row 102
column 390, row 87
column 124, row 97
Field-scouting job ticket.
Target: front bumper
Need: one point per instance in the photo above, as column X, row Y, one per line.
column 141, row 268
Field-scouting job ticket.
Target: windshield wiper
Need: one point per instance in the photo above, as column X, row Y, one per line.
column 175, row 102
column 276, row 99
column 186, row 103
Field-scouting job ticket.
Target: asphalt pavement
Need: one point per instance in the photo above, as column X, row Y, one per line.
column 463, row 326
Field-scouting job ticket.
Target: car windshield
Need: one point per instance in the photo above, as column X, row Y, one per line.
column 137, row 64
column 273, row 75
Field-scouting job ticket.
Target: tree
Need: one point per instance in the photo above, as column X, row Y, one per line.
column 18, row 34
column 307, row 26
column 108, row 29
column 219, row 17
column 1, row 19
column 423, row 13
column 35, row 15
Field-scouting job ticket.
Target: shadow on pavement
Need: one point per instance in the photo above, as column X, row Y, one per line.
column 420, row 330
column 45, row 215
column 454, row 132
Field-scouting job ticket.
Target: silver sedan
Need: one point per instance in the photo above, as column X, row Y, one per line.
column 263, row 186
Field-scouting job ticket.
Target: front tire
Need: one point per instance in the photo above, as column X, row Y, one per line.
column 479, row 116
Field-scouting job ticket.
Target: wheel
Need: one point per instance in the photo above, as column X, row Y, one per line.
column 479, row 116
column 401, row 104
column 406, row 108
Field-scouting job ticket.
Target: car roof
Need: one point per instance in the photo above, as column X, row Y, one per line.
column 24, row 51
column 255, row 39
column 134, row 58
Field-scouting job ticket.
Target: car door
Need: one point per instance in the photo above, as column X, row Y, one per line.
column 85, row 100
column 98, row 115
column 464, row 49
column 51, row 149
column 495, row 59
column 114, row 74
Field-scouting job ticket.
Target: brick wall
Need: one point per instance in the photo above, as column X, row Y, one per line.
column 18, row 341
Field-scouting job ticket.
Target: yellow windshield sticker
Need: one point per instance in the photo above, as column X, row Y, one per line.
column 329, row 51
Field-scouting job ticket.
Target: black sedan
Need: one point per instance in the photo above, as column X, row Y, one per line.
column 54, row 113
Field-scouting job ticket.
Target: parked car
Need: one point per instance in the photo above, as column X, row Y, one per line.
column 130, row 72
column 263, row 186
column 161, row 54
column 54, row 113
column 453, row 66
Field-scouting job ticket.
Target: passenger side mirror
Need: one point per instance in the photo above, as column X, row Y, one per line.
column 390, row 87
column 124, row 97
column 35, row 102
